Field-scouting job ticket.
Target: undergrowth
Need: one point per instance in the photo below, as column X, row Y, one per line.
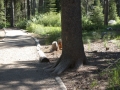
column 49, row 24
column 113, row 76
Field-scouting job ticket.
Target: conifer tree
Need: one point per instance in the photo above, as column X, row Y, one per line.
column 97, row 17
column 2, row 14
column 112, row 10
column 17, row 8
column 51, row 5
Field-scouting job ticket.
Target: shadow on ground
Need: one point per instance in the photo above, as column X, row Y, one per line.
column 25, row 75
column 89, row 77
column 17, row 41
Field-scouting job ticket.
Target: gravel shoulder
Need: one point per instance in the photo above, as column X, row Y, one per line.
column 19, row 64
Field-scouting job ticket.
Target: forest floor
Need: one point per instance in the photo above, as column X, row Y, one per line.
column 100, row 56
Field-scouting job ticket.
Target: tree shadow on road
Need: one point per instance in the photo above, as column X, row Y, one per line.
column 25, row 75
column 17, row 41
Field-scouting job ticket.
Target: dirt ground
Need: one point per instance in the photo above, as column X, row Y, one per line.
column 100, row 55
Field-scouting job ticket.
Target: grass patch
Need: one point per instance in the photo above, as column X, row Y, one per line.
column 113, row 76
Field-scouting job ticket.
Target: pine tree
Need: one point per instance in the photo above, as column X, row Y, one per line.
column 97, row 17
column 18, row 13
column 112, row 10
column 97, row 2
column 58, row 8
column 2, row 14
column 50, row 6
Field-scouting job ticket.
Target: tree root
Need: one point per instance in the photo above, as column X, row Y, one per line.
column 64, row 63
column 62, row 66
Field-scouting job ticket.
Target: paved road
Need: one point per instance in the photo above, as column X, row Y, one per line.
column 19, row 67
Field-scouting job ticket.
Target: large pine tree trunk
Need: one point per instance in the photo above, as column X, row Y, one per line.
column 73, row 51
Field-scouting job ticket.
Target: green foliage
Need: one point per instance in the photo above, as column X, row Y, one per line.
column 46, row 25
column 97, row 18
column 114, row 77
column 21, row 24
column 48, row 19
column 17, row 11
column 86, row 23
column 54, row 34
column 112, row 10
column 86, row 6
column 91, row 36
column 2, row 14
column 97, row 2
column 50, row 6
column 94, row 83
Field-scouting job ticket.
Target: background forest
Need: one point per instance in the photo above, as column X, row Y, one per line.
column 44, row 16
column 100, row 20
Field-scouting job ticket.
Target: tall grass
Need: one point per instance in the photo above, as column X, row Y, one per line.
column 114, row 77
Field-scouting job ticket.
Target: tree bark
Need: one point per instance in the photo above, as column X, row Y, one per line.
column 33, row 7
column 40, row 6
column 106, row 12
column 28, row 9
column 12, row 13
column 73, row 55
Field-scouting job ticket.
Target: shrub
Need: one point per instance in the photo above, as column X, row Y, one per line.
column 50, row 19
column 21, row 24
column 112, row 10
column 86, row 23
column 97, row 18
column 53, row 35
column 46, row 25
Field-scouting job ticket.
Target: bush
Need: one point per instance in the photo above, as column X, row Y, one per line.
column 48, row 19
column 97, row 18
column 54, row 35
column 21, row 24
column 112, row 10
column 46, row 25
column 86, row 23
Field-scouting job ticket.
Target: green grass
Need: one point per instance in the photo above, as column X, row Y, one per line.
column 93, row 84
column 113, row 76
column 49, row 24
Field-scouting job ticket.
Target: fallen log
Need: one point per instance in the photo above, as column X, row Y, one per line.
column 43, row 57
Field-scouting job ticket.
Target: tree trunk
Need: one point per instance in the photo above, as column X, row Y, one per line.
column 33, row 7
column 28, row 9
column 40, row 6
column 106, row 12
column 12, row 13
column 73, row 55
